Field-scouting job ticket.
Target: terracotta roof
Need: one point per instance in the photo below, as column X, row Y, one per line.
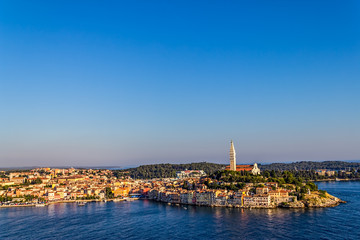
column 241, row 167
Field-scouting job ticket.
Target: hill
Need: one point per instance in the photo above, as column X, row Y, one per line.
column 166, row 170
column 169, row 170
column 308, row 165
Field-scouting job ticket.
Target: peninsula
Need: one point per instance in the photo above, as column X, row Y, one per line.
column 244, row 186
column 195, row 187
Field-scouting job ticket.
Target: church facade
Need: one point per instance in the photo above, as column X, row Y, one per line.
column 234, row 167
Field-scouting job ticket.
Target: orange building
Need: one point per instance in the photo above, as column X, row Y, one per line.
column 121, row 192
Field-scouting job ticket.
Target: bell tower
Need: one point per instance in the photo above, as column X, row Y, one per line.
column 232, row 157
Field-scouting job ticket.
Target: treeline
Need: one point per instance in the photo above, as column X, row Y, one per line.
column 305, row 170
column 281, row 177
column 308, row 165
column 5, row 199
column 294, row 180
column 166, row 170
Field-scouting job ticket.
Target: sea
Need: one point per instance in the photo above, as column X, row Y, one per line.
column 144, row 219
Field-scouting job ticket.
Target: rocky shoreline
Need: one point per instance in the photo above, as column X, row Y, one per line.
column 315, row 201
column 60, row 201
column 337, row 180
column 311, row 201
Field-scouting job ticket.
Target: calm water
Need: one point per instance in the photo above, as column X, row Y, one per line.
column 151, row 220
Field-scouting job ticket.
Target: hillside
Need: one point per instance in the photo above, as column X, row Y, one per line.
column 169, row 170
column 308, row 165
column 166, row 170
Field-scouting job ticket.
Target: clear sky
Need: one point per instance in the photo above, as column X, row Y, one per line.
column 139, row 82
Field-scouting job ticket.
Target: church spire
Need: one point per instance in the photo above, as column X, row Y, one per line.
column 232, row 157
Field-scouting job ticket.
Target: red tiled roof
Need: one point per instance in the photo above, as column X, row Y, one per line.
column 241, row 167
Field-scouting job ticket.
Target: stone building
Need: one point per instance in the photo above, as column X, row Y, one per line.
column 254, row 169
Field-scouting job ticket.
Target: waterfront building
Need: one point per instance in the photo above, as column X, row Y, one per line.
column 204, row 198
column 280, row 196
column 221, row 198
column 174, row 197
column 257, row 201
column 122, row 191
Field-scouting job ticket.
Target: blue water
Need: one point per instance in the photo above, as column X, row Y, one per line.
column 152, row 220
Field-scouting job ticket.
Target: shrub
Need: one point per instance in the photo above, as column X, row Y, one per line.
column 322, row 193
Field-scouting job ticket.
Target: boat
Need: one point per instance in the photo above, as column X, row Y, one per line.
column 40, row 205
column 117, row 200
column 81, row 203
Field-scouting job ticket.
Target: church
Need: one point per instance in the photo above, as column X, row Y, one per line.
column 233, row 167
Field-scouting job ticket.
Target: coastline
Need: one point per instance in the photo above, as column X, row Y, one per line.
column 63, row 201
column 332, row 202
column 310, row 201
column 336, row 180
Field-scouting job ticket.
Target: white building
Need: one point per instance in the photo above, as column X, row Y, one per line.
column 190, row 173
column 232, row 157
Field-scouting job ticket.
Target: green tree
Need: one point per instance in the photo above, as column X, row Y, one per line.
column 109, row 193
column 36, row 181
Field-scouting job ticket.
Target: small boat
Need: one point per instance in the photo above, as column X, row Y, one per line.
column 185, row 208
column 81, row 203
column 40, row 205
column 117, row 200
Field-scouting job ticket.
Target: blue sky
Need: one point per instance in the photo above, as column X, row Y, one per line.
column 140, row 82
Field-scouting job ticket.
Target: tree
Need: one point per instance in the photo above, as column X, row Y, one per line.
column 233, row 187
column 241, row 185
column 37, row 181
column 322, row 193
column 109, row 193
column 312, row 186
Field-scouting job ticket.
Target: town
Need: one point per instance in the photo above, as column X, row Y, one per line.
column 233, row 186
column 46, row 185
column 66, row 185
